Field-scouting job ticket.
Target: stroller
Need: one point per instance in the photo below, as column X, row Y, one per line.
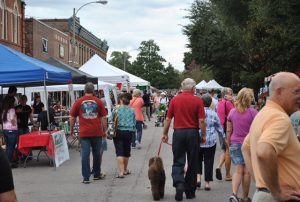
column 161, row 114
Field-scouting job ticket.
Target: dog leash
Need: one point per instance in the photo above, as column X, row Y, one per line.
column 160, row 145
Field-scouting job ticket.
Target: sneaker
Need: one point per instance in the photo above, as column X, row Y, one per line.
column 86, row 181
column 234, row 198
column 100, row 177
column 138, row 146
column 218, row 174
column 179, row 192
column 133, row 147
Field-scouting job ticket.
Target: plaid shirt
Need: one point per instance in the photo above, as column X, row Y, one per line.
column 213, row 127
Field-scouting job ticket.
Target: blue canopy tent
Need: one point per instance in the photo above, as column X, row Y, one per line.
column 19, row 69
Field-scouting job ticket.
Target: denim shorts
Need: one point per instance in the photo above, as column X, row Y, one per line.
column 236, row 154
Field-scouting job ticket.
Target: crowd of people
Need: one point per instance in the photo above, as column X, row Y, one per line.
column 260, row 141
column 263, row 145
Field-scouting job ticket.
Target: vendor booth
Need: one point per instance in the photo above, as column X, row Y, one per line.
column 18, row 69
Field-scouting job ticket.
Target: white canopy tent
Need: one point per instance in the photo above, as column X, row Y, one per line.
column 212, row 84
column 98, row 67
column 201, row 85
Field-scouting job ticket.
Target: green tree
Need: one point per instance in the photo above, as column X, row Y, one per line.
column 120, row 60
column 149, row 64
column 210, row 47
column 171, row 78
column 244, row 41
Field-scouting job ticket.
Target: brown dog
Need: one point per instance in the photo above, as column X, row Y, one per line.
column 157, row 177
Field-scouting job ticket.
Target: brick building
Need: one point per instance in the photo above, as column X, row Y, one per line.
column 44, row 41
column 12, row 24
column 87, row 44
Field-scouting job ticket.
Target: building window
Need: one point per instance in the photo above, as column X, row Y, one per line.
column 61, row 51
column 45, row 45
column 15, row 25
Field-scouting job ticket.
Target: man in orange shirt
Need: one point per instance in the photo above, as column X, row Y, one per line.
column 271, row 149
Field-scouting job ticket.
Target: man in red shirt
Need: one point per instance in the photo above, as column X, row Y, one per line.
column 92, row 124
column 189, row 117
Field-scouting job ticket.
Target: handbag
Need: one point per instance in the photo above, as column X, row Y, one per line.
column 113, row 125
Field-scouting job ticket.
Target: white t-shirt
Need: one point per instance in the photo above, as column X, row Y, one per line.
column 164, row 101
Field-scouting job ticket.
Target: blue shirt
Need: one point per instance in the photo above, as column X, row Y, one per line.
column 126, row 118
column 213, row 127
column 295, row 117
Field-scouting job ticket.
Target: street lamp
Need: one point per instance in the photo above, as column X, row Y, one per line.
column 74, row 17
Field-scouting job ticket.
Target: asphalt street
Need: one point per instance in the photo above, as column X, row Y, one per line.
column 39, row 182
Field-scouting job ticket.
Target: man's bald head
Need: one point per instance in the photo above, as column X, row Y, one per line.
column 282, row 80
column 285, row 90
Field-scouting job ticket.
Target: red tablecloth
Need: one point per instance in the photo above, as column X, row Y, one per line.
column 36, row 139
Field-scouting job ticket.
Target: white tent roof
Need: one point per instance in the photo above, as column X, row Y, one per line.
column 97, row 67
column 212, row 84
column 201, row 84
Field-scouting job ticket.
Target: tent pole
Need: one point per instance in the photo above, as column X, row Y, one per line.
column 47, row 107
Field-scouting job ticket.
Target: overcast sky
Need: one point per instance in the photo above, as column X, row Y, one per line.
column 126, row 23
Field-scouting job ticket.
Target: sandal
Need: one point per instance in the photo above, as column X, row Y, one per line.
column 120, row 176
column 207, row 188
column 127, row 172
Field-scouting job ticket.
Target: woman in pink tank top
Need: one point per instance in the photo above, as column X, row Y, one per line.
column 10, row 128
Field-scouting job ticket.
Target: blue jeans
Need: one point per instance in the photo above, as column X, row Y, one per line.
column 11, row 139
column 139, row 132
column 86, row 144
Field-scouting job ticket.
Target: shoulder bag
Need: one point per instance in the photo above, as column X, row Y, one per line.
column 113, row 125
